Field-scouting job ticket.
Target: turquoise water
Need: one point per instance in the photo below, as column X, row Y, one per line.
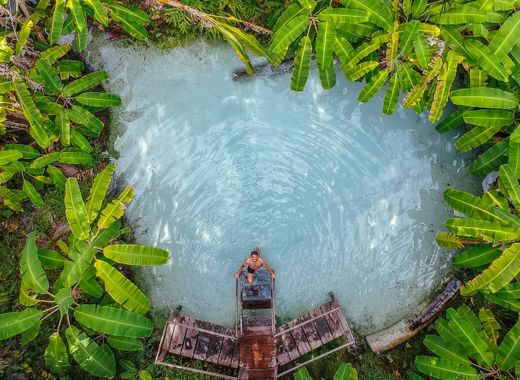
column 338, row 196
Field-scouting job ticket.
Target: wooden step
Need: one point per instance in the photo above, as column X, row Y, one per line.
column 257, row 304
column 257, row 374
column 257, row 351
column 256, row 291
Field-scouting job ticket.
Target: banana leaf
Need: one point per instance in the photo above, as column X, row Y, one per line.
column 503, row 301
column 448, row 240
column 15, row 323
column 484, row 97
column 33, row 275
column 510, row 182
column 98, row 99
column 469, row 205
column 24, row 34
column 514, row 158
column 91, row 287
column 422, row 51
column 74, row 156
column 302, row 374
column 63, row 298
column 489, row 118
column 27, row 151
column 32, row 194
column 461, row 14
column 115, row 209
column 508, row 354
column 57, row 21
column 411, row 31
column 444, row 83
column 500, row 273
column 325, row 44
column 50, row 259
column 440, row 368
column 57, row 177
column 38, row 131
column 343, row 16
column 134, row 254
column 302, row 61
column 475, row 137
column 446, row 350
column 75, row 210
column 357, row 72
column 474, row 344
column 45, row 160
column 78, row 140
column 378, row 13
column 77, row 270
column 91, row 357
column 100, row 13
column 391, row 95
column 293, row 11
column 327, row 76
column 486, row 60
column 54, row 53
column 477, row 77
column 80, row 23
column 113, row 321
column 84, row 83
column 491, row 159
column 345, row 372
column 476, row 256
column 506, row 37
column 491, row 326
column 98, row 191
column 452, row 121
column 372, row 87
column 288, row 33
column 79, row 115
column 7, row 156
column 121, row 289
column 125, row 344
column 482, row 229
column 56, row 357
column 132, row 27
column 132, row 14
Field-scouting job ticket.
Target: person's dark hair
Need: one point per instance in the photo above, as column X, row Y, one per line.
column 254, row 253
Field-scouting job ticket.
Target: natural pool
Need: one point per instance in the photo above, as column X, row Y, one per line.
column 338, row 196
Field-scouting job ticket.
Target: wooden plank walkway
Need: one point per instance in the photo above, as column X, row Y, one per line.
column 310, row 331
column 258, row 350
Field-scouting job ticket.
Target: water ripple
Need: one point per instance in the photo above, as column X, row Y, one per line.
column 338, row 196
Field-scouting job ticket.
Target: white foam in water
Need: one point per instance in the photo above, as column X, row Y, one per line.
column 338, row 196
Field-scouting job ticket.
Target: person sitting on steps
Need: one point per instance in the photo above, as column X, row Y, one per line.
column 254, row 262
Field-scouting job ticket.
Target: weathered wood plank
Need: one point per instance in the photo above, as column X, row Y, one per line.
column 290, row 346
column 281, row 353
column 226, row 353
column 214, row 348
column 190, row 341
column 323, row 329
column 300, row 339
column 201, row 349
column 312, row 335
column 177, row 340
column 335, row 324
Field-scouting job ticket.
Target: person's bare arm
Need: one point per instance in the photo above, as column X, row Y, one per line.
column 273, row 276
column 237, row 275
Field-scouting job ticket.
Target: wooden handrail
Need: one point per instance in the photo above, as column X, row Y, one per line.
column 306, row 321
column 208, row 373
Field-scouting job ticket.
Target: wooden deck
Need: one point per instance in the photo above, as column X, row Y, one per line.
column 256, row 349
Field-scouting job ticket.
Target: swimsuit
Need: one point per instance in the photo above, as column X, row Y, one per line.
column 250, row 270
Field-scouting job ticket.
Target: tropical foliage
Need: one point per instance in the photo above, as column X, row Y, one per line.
column 47, row 101
column 344, row 372
column 94, row 307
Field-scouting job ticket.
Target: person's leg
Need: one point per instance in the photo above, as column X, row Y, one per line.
column 250, row 277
